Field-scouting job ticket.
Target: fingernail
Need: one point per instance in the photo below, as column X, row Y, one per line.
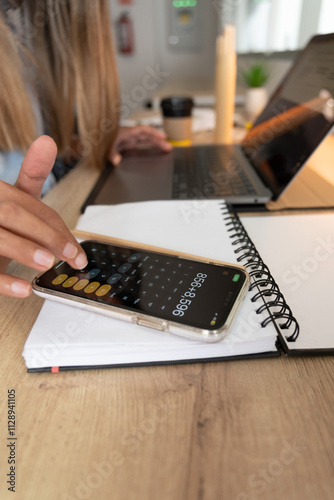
column 43, row 258
column 70, row 251
column 21, row 289
column 81, row 261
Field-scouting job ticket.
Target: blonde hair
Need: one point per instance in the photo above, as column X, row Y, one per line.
column 61, row 53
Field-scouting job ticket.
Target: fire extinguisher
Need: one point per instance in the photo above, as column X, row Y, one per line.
column 125, row 34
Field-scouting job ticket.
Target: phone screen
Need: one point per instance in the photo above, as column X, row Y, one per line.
column 192, row 293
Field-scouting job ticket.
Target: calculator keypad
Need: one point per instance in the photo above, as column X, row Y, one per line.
column 144, row 280
column 193, row 293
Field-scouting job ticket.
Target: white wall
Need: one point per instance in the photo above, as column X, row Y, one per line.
column 152, row 49
column 131, row 68
column 189, row 64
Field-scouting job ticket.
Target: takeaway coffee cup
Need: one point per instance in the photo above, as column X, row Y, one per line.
column 177, row 119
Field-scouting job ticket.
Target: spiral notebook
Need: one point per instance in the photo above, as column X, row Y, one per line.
column 65, row 337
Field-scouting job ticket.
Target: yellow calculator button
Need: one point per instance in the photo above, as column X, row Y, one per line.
column 59, row 279
column 103, row 290
column 80, row 284
column 70, row 282
column 92, row 287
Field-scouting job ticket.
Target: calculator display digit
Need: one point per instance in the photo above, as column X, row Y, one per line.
column 184, row 291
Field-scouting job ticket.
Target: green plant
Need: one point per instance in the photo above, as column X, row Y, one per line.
column 256, row 75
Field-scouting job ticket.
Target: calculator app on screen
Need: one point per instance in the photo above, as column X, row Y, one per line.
column 185, row 291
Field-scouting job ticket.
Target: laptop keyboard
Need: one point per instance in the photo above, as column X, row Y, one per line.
column 198, row 173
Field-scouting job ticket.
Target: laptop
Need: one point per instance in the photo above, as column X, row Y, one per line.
column 298, row 116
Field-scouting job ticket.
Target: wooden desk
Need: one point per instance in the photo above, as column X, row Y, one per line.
column 234, row 430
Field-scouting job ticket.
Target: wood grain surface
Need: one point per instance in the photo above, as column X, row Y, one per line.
column 237, row 430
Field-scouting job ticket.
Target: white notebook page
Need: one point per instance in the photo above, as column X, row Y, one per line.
column 299, row 250
column 64, row 335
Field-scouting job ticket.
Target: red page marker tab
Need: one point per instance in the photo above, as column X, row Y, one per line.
column 55, row 369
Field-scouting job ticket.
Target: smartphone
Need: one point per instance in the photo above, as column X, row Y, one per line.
column 187, row 296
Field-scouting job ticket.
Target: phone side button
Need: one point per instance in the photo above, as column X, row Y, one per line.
column 150, row 323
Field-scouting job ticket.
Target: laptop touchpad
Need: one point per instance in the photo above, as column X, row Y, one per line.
column 142, row 175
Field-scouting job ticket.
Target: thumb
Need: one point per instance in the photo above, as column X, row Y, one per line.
column 116, row 159
column 37, row 165
column 114, row 156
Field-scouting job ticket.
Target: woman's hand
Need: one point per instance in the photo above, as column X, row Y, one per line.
column 134, row 137
column 31, row 232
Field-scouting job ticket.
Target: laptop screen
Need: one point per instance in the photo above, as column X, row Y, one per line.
column 298, row 116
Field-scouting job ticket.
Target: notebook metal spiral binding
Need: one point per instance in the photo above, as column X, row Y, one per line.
column 262, row 279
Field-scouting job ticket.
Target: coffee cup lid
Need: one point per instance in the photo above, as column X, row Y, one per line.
column 177, row 106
